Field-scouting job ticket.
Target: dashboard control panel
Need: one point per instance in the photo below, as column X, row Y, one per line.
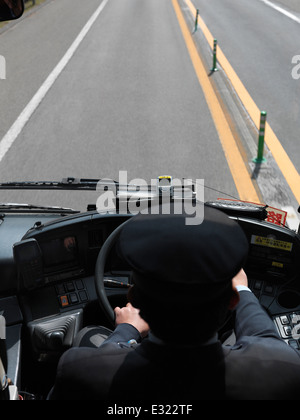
column 288, row 326
column 71, row 293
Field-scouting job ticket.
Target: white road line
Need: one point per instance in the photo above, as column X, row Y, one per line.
column 30, row 108
column 281, row 10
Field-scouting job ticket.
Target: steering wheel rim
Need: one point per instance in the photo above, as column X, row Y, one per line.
column 99, row 272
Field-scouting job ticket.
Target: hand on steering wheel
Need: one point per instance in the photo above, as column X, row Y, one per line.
column 99, row 273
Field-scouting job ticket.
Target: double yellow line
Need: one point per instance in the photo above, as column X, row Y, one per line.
column 239, row 171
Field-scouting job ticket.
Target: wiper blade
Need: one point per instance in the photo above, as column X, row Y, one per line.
column 65, row 184
column 85, row 184
column 123, row 192
column 15, row 207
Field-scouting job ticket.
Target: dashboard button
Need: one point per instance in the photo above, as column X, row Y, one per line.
column 73, row 298
column 83, row 296
column 60, row 289
column 63, row 301
column 284, row 320
column 70, row 286
column 288, row 331
column 258, row 285
column 79, row 284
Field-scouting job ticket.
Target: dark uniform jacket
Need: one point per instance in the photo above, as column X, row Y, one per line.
column 259, row 366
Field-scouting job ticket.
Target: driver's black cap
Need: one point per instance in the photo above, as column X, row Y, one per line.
column 176, row 265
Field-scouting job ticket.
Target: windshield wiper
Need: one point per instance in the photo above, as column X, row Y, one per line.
column 16, row 207
column 65, row 184
column 123, row 192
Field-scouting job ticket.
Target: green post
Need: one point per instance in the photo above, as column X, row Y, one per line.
column 261, row 138
column 214, row 67
column 196, row 21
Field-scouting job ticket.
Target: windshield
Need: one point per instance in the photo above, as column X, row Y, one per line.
column 97, row 88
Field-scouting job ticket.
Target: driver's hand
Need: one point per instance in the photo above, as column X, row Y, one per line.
column 240, row 279
column 131, row 315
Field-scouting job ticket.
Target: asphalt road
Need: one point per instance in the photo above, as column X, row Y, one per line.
column 128, row 99
column 260, row 46
column 292, row 5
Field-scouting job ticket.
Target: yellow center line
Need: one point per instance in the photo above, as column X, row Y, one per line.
column 282, row 159
column 235, row 161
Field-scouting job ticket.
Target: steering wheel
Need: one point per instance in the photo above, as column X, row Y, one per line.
column 99, row 272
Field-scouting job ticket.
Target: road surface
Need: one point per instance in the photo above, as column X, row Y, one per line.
column 260, row 46
column 128, row 97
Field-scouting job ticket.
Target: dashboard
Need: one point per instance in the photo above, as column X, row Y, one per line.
column 60, row 254
column 59, row 258
column 273, row 269
column 48, row 265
